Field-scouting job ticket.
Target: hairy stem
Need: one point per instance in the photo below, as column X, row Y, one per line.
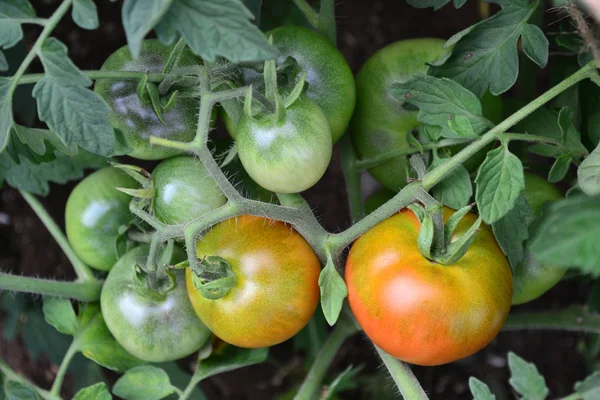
column 189, row 388
column 352, row 179
column 62, row 370
column 95, row 74
column 84, row 273
column 406, row 382
column 83, row 291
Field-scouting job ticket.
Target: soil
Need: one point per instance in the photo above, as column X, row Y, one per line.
column 363, row 28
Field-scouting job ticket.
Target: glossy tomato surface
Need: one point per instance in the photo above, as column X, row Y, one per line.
column 277, row 276
column 136, row 120
column 422, row 312
column 380, row 123
column 95, row 210
column 330, row 79
column 531, row 279
column 290, row 155
column 157, row 327
column 184, row 190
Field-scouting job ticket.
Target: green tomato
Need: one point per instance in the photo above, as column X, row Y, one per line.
column 184, row 190
column 136, row 120
column 95, row 211
column 286, row 156
column 154, row 327
column 531, row 280
column 379, row 123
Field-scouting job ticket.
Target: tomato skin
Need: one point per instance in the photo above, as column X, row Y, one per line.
column 152, row 329
column 95, row 210
column 531, row 280
column 288, row 156
column 379, row 123
column 329, row 77
column 138, row 121
column 419, row 311
column 277, row 282
column 184, row 190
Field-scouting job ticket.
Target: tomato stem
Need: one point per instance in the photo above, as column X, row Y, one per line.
column 83, row 291
column 576, row 318
column 352, row 178
column 62, row 370
column 405, row 380
column 84, row 273
column 311, row 15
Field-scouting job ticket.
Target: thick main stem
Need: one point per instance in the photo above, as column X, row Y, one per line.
column 83, row 291
column 406, row 382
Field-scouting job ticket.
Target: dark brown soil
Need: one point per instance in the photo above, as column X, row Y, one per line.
column 364, row 27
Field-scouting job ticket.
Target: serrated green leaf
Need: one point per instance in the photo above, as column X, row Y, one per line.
column 254, row 6
column 565, row 120
column 77, row 114
column 99, row 391
column 6, row 115
column 10, row 33
column 213, row 29
column 229, row 359
column 143, row 383
column 480, row 390
column 436, row 4
column 85, row 14
column 58, row 65
column 455, row 190
column 535, row 44
column 16, row 9
column 461, row 126
column 589, row 388
column 96, row 342
column 499, row 182
column 511, row 231
column 60, row 314
column 36, row 178
column 440, row 100
column 560, row 168
column 525, row 378
column 588, row 173
column 3, row 62
column 139, row 18
column 566, row 234
column 487, row 55
column 19, row 391
column 333, row 292
column 36, row 140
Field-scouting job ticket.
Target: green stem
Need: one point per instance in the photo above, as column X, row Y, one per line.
column 94, row 75
column 406, row 382
column 62, row 370
column 530, row 138
column 83, row 291
column 312, row 383
column 352, row 178
column 575, row 318
column 311, row 15
column 12, row 376
column 33, row 21
column 84, row 273
column 189, row 388
column 366, row 163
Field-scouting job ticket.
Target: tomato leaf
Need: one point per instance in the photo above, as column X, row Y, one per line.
column 588, row 173
column 480, row 390
column 20, row 391
column 499, row 182
column 333, row 292
column 525, row 378
column 85, row 14
column 511, row 231
column 229, row 359
column 455, row 190
column 60, row 314
column 213, row 29
column 143, row 383
column 254, row 6
column 560, row 168
column 441, row 100
column 436, row 4
column 589, row 388
column 6, row 114
column 566, row 234
column 10, row 30
column 99, row 391
column 139, row 18
column 486, row 55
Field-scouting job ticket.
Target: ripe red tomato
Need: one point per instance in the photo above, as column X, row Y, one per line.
column 422, row 312
column 277, row 287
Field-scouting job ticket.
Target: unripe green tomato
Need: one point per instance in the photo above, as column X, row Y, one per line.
column 286, row 156
column 137, row 121
column 184, row 190
column 379, row 123
column 531, row 280
column 153, row 327
column 95, row 210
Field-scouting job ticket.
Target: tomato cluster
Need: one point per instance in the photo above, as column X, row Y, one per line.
column 410, row 306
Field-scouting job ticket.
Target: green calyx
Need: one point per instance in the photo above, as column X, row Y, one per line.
column 213, row 277
column 144, row 178
column 450, row 251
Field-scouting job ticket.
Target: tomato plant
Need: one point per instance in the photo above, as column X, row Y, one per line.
column 276, row 273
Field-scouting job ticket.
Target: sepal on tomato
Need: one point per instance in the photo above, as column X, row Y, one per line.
column 213, row 277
